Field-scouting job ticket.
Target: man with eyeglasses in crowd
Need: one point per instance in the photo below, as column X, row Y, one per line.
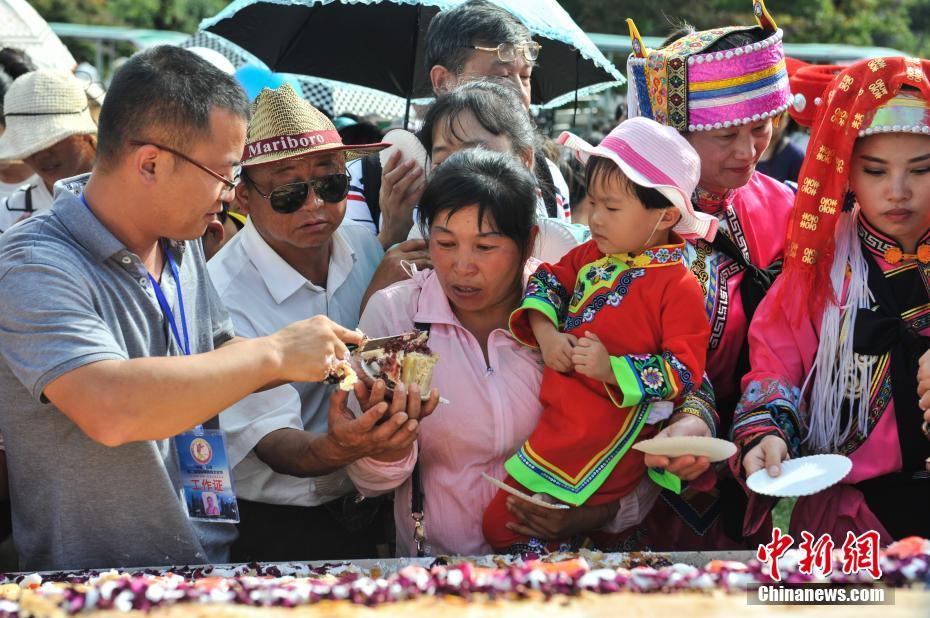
column 475, row 40
column 295, row 257
column 113, row 340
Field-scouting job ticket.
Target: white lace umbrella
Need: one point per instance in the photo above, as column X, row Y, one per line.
column 23, row 28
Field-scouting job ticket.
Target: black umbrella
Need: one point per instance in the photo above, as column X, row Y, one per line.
column 381, row 44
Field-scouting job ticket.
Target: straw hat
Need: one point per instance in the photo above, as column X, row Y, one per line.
column 285, row 126
column 658, row 157
column 41, row 108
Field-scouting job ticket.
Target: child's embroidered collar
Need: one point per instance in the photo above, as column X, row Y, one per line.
column 660, row 255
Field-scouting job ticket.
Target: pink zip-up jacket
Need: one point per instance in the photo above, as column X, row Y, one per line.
column 493, row 408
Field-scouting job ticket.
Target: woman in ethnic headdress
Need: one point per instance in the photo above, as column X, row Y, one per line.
column 835, row 345
column 721, row 89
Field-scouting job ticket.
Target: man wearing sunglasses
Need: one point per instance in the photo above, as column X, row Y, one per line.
column 295, row 257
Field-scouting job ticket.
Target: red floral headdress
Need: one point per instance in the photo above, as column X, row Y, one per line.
column 842, row 110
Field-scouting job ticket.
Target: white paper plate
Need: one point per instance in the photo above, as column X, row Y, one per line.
column 407, row 143
column 520, row 494
column 714, row 449
column 802, row 476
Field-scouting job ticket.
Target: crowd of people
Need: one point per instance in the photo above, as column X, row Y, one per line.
column 180, row 277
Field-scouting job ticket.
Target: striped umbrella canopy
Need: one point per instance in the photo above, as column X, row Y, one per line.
column 330, row 96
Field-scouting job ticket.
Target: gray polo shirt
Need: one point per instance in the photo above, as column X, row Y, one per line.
column 72, row 294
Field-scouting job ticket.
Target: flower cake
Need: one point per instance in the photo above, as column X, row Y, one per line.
column 592, row 585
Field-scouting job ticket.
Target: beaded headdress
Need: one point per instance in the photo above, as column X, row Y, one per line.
column 685, row 87
column 906, row 112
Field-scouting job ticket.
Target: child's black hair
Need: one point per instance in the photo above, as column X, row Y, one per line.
column 600, row 166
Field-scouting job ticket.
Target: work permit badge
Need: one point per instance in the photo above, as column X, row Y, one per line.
column 206, row 484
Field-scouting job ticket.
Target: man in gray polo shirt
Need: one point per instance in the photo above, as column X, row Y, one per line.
column 94, row 377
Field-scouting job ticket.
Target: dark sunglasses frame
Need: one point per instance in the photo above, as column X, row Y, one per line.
column 289, row 198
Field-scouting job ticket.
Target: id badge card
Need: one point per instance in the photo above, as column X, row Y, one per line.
column 206, row 490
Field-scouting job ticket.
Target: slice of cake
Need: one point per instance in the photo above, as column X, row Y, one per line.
column 341, row 372
column 417, row 368
column 404, row 359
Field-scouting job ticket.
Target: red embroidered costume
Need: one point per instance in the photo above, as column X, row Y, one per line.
column 645, row 309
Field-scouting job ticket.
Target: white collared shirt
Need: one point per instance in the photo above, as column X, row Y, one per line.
column 13, row 200
column 263, row 294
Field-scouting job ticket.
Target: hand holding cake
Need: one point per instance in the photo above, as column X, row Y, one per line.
column 399, row 360
column 307, row 348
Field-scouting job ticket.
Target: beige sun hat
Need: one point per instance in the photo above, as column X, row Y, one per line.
column 40, row 109
column 285, row 126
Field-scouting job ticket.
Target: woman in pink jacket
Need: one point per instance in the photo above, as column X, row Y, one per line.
column 478, row 212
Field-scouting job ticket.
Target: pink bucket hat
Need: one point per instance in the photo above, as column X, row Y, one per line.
column 654, row 156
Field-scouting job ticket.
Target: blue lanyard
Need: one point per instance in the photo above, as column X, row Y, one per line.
column 185, row 346
column 166, row 308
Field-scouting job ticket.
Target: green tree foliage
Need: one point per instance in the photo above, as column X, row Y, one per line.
column 901, row 24
column 919, row 11
column 182, row 15
column 74, row 11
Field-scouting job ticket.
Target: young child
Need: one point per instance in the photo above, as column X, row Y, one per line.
column 620, row 324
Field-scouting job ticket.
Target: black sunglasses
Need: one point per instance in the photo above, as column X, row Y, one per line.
column 290, row 197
